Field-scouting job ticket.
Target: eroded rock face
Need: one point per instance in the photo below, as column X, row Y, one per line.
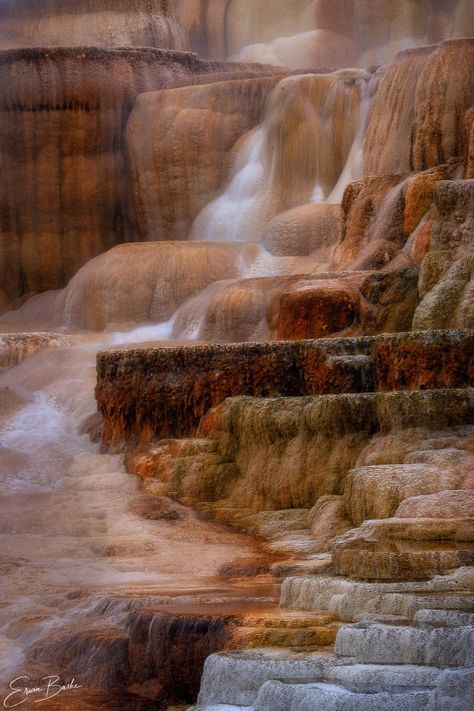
column 119, row 23
column 446, row 279
column 386, row 220
column 63, row 173
column 419, row 90
column 178, row 144
column 165, row 392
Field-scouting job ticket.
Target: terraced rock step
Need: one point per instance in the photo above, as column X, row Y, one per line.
column 164, row 392
column 360, row 472
column 353, row 600
column 155, row 651
column 277, row 696
column 398, row 674
column 272, row 454
column 386, row 644
column 404, row 548
column 276, row 681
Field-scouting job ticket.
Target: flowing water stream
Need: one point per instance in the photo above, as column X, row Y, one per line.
column 70, row 529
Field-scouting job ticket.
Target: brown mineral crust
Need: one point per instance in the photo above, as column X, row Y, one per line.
column 158, row 405
column 65, row 188
column 441, row 102
column 156, row 462
column 178, row 146
column 380, row 214
column 315, row 312
column 164, row 392
column 387, row 145
column 136, row 404
column 435, row 359
column 348, row 304
column 362, row 202
column 291, row 451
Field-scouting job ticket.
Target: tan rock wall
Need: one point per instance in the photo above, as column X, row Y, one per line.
column 63, row 184
column 109, row 23
column 179, row 143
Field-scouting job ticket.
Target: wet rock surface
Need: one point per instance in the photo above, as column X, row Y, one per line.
column 385, row 469
column 138, row 402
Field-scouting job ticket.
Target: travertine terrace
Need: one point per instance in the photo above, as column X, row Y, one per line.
column 237, row 354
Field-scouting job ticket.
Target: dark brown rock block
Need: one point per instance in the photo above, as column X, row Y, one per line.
column 436, row 359
column 317, row 311
column 165, row 392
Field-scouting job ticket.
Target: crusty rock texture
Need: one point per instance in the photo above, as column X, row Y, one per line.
column 447, row 276
column 109, row 23
column 178, row 144
column 165, row 392
column 417, row 120
column 15, row 347
column 388, row 220
column 63, row 174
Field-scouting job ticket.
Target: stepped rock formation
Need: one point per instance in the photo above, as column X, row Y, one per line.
column 392, row 461
column 289, row 245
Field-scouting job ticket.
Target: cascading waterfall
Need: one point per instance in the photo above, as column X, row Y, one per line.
column 308, row 148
